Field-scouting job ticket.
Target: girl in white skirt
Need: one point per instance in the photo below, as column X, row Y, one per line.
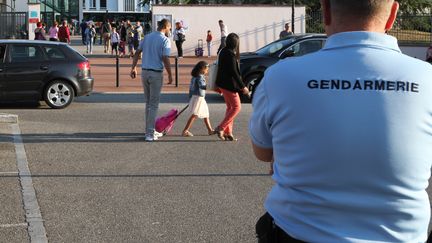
column 197, row 104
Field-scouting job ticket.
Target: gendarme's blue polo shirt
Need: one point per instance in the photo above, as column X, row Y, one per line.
column 351, row 131
column 154, row 47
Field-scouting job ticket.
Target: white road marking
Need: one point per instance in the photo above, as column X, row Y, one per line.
column 13, row 225
column 36, row 229
column 9, row 173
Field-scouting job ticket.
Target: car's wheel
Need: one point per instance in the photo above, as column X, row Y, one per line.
column 59, row 94
column 251, row 82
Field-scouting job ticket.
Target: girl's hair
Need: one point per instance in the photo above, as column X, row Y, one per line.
column 198, row 69
column 233, row 43
column 39, row 24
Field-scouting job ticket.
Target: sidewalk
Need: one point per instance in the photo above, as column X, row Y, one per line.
column 13, row 225
column 103, row 68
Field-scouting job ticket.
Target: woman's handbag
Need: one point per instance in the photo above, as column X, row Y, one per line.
column 181, row 37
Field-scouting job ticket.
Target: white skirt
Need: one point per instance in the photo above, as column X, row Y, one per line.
column 198, row 106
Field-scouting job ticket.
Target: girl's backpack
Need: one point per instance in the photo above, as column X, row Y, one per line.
column 165, row 123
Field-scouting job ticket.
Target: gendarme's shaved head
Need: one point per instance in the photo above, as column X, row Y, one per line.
column 361, row 8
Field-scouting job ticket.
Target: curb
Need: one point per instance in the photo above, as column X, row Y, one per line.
column 8, row 118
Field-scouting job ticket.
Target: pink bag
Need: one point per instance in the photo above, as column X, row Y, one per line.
column 165, row 123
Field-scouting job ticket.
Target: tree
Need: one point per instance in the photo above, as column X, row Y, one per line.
column 411, row 7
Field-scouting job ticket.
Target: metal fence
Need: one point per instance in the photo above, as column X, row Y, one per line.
column 13, row 25
column 413, row 29
column 408, row 29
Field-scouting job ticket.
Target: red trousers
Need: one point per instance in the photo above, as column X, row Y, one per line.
column 232, row 101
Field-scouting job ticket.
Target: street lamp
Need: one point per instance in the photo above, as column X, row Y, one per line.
column 13, row 19
column 292, row 15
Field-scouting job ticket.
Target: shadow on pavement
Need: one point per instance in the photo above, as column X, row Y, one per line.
column 22, row 105
column 139, row 98
column 107, row 138
column 136, row 175
column 110, row 98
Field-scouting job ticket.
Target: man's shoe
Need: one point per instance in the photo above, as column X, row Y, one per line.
column 158, row 134
column 150, row 138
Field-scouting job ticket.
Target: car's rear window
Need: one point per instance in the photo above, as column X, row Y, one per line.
column 54, row 53
column 24, row 53
column 75, row 53
column 275, row 46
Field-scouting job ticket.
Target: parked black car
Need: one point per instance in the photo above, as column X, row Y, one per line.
column 253, row 64
column 43, row 70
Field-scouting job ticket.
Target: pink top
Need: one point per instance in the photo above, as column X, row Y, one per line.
column 53, row 32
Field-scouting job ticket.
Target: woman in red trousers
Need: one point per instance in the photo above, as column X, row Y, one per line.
column 230, row 84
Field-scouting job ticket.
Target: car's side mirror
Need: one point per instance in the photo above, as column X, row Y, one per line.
column 287, row 53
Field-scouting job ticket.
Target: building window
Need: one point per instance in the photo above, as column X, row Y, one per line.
column 103, row 4
column 92, row 4
column 129, row 5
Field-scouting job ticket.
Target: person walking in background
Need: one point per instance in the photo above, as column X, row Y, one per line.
column 230, row 83
column 130, row 38
column 64, row 33
column 115, row 39
column 98, row 32
column 197, row 104
column 349, row 134
column 138, row 34
column 106, row 35
column 83, row 27
column 156, row 49
column 123, row 38
column 209, row 40
column 286, row 32
column 224, row 33
column 72, row 29
column 53, row 32
column 39, row 32
column 90, row 34
column 179, row 36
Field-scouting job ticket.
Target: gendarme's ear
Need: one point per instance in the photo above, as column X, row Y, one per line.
column 393, row 14
column 325, row 5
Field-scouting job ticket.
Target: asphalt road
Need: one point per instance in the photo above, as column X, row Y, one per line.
column 97, row 180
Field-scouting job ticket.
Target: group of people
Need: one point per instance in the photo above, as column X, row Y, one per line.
column 349, row 164
column 156, row 49
column 55, row 33
column 229, row 84
column 115, row 38
column 179, row 36
column 124, row 36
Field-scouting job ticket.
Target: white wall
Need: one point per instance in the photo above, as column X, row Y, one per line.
column 256, row 25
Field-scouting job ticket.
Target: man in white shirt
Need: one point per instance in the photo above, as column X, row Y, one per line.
column 224, row 34
column 349, row 129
